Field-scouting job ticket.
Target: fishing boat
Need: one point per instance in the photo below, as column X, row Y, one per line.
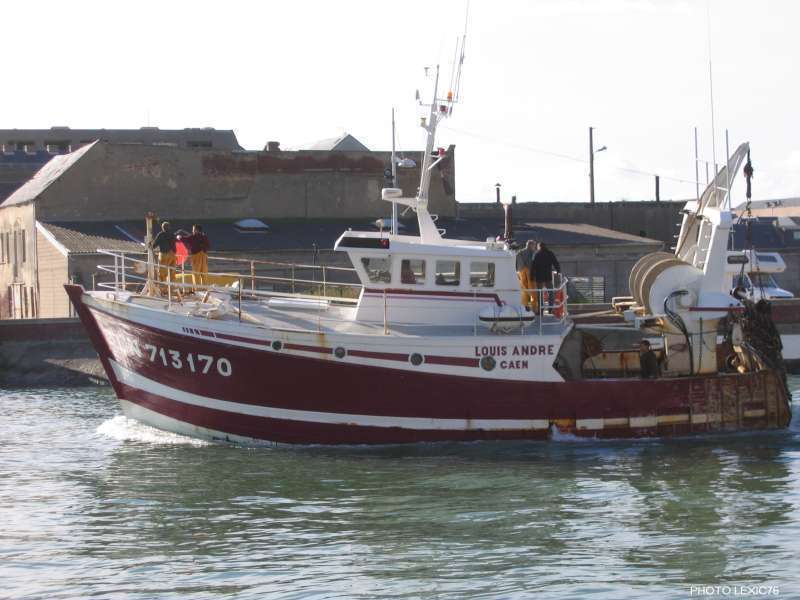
column 437, row 343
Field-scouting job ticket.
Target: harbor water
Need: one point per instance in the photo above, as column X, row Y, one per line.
column 94, row 505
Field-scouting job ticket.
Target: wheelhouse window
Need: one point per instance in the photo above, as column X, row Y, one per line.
column 412, row 271
column 378, row 269
column 762, row 280
column 448, row 272
column 481, row 274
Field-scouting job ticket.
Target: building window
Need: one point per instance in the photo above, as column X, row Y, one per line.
column 24, row 146
column 23, row 251
column 448, row 272
column 198, row 144
column 57, row 147
column 481, row 274
column 412, row 271
column 251, row 226
column 587, row 289
column 378, row 269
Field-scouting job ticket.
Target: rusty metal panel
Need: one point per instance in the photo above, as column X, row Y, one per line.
column 729, row 403
column 770, row 395
column 744, row 395
column 712, row 407
column 752, row 399
column 771, row 402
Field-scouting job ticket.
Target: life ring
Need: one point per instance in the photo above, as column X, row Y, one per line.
column 558, row 310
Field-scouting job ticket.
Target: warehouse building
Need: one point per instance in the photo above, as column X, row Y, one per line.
column 104, row 184
column 25, row 151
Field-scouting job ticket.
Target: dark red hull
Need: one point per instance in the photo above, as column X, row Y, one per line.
column 271, row 393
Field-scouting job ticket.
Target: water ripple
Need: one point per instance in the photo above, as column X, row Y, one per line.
column 93, row 504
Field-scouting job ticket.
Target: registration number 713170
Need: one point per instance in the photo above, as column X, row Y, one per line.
column 195, row 363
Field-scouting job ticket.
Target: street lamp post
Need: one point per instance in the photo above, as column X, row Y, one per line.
column 592, row 152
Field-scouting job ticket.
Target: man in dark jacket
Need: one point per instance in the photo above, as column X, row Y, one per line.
column 542, row 267
column 198, row 247
column 650, row 367
column 164, row 242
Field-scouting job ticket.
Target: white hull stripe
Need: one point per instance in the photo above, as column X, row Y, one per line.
column 654, row 421
column 135, row 380
column 442, row 298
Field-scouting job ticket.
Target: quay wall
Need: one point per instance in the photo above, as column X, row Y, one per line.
column 47, row 352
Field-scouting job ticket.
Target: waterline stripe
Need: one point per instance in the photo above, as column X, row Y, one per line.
column 135, row 380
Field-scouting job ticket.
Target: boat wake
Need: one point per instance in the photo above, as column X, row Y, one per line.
column 556, row 435
column 123, row 429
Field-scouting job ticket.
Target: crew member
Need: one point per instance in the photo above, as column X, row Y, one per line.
column 198, row 246
column 650, row 369
column 524, row 260
column 164, row 242
column 543, row 265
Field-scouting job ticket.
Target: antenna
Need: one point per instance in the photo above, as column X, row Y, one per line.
column 696, row 167
column 728, row 171
column 456, row 87
column 711, row 89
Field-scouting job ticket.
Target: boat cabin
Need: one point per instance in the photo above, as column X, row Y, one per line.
column 449, row 280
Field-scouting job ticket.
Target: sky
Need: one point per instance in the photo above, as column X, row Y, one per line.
column 536, row 76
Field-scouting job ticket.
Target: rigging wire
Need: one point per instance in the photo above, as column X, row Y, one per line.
column 558, row 155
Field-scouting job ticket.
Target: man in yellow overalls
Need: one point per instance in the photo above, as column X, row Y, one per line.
column 198, row 246
column 164, row 242
column 524, row 259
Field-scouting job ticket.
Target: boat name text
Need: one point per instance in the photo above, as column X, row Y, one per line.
column 526, row 350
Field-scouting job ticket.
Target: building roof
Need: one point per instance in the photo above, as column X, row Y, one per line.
column 46, row 176
column 553, row 234
column 763, row 233
column 778, row 207
column 75, row 241
column 578, row 233
column 225, row 236
column 343, row 143
column 190, row 137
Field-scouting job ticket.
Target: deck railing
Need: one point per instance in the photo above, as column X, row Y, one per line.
column 129, row 271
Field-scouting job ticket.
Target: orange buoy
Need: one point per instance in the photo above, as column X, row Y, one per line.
column 558, row 309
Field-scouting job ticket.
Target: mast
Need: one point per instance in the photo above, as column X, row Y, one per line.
column 394, row 179
column 439, row 109
column 428, row 232
column 430, row 127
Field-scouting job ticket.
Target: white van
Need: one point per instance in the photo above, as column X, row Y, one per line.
column 753, row 272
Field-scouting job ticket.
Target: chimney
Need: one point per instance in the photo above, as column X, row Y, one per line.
column 509, row 227
column 273, row 147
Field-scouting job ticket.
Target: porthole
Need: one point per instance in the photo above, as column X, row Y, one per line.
column 488, row 363
column 416, row 359
column 277, row 345
column 340, row 352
